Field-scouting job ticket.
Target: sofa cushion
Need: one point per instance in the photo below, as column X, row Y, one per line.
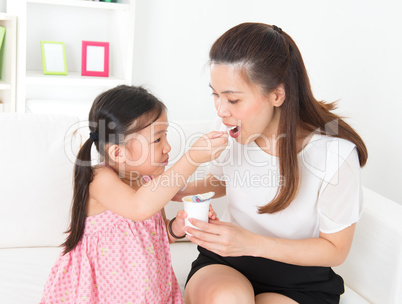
column 24, row 272
column 374, row 264
column 35, row 179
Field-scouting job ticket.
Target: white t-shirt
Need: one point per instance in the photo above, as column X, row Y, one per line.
column 328, row 199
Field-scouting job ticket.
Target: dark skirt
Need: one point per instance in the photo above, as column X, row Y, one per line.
column 304, row 284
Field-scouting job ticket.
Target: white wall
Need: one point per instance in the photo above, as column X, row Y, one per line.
column 352, row 50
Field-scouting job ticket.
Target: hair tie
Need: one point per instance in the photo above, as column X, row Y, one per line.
column 94, row 136
column 278, row 29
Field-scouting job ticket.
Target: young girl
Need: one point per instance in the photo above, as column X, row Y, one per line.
column 117, row 250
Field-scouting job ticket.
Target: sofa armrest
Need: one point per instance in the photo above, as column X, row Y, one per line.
column 373, row 268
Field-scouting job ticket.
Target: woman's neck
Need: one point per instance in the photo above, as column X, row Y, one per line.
column 268, row 140
column 270, row 144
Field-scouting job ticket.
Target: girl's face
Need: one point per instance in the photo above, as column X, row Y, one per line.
column 252, row 114
column 146, row 152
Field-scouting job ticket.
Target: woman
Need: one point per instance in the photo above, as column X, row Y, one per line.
column 291, row 174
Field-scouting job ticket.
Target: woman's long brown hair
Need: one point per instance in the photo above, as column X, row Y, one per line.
column 114, row 114
column 269, row 57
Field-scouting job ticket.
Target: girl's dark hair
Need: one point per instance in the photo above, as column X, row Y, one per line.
column 268, row 57
column 114, row 114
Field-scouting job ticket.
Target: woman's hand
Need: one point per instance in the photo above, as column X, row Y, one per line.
column 222, row 238
column 179, row 223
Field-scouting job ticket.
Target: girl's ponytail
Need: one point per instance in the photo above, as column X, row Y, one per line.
column 83, row 176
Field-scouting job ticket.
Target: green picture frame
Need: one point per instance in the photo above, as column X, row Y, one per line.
column 53, row 58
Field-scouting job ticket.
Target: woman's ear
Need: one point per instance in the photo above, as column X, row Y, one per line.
column 116, row 154
column 279, row 95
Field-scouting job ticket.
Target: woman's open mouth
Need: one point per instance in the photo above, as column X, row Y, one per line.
column 234, row 131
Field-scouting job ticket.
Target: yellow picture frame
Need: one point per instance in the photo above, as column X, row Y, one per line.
column 53, row 58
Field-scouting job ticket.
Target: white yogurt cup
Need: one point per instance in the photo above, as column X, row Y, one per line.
column 198, row 211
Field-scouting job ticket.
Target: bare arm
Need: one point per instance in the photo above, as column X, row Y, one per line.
column 227, row 239
column 326, row 250
column 108, row 190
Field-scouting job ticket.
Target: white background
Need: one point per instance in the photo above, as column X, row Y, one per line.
column 352, row 50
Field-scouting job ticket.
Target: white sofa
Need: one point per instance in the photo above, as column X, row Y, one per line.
column 35, row 192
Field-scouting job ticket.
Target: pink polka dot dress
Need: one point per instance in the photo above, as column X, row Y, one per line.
column 117, row 261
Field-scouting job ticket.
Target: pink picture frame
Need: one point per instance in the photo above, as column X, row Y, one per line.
column 95, row 59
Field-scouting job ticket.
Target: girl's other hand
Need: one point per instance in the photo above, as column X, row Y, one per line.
column 212, row 214
column 178, row 224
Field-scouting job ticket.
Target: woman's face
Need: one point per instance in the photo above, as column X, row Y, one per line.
column 243, row 106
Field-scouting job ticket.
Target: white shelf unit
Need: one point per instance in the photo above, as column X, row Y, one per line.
column 8, row 64
column 84, row 3
column 71, row 22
